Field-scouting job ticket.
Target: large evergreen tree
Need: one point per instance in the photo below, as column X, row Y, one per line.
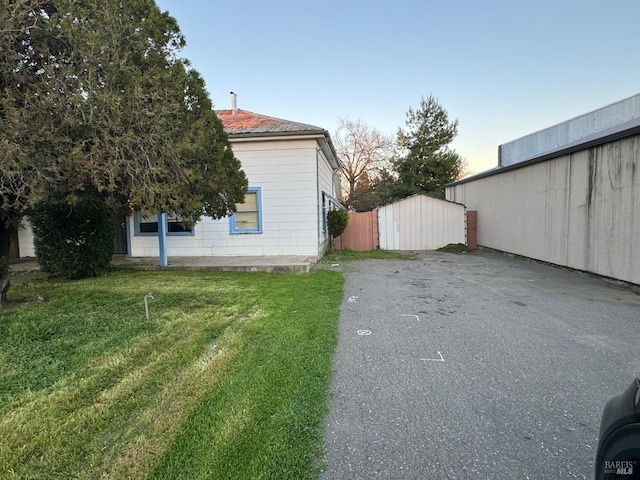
column 426, row 162
column 94, row 98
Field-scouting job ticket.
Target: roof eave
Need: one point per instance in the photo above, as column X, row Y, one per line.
column 326, row 144
column 312, row 134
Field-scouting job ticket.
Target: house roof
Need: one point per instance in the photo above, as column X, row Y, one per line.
column 241, row 124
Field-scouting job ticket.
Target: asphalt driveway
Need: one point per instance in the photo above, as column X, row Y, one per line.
column 475, row 366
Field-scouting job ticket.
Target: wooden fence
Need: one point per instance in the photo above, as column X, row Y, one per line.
column 361, row 233
column 406, row 227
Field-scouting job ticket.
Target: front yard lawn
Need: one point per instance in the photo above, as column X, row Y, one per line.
column 228, row 379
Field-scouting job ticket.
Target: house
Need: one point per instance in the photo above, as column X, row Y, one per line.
column 293, row 175
column 567, row 195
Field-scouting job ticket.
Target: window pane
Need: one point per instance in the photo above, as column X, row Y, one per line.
column 179, row 226
column 246, row 220
column 250, row 202
column 148, row 227
column 148, row 223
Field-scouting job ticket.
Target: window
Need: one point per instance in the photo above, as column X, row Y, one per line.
column 324, row 212
column 328, row 203
column 248, row 215
column 147, row 224
column 177, row 224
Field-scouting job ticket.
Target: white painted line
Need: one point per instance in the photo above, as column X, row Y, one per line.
column 352, row 299
column 408, row 315
column 441, row 359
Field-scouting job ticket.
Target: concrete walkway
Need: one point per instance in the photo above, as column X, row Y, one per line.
column 287, row 263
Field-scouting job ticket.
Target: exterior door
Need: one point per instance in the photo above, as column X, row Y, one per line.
column 121, row 236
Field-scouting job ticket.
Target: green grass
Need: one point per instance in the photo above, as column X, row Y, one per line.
column 228, row 379
column 454, row 248
column 346, row 255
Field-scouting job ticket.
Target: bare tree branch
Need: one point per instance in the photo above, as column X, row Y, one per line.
column 363, row 151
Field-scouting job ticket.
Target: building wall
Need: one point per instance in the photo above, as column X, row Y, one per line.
column 285, row 171
column 326, row 185
column 580, row 210
column 569, row 131
column 25, row 239
column 421, row 223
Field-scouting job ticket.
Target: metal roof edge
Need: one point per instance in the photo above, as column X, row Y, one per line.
column 419, row 195
column 575, row 117
column 332, row 149
column 624, row 130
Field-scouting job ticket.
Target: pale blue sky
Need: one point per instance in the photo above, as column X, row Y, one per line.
column 503, row 68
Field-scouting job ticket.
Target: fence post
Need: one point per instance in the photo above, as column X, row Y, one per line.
column 472, row 228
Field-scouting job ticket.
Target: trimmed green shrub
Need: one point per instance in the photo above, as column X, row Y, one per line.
column 337, row 221
column 73, row 241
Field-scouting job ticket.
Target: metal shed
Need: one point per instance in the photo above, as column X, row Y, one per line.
column 421, row 222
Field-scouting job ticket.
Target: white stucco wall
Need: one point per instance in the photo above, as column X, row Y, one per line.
column 285, row 170
column 580, row 210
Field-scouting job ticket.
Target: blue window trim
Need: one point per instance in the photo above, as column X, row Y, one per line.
column 138, row 233
column 232, row 219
